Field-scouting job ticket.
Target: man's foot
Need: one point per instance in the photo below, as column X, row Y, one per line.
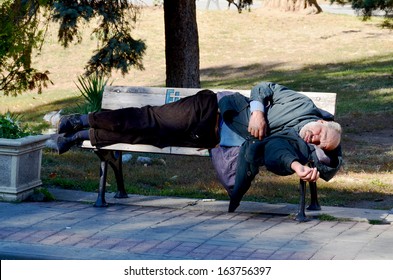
column 64, row 144
column 233, row 206
column 70, row 124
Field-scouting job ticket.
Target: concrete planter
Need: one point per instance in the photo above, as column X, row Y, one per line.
column 20, row 166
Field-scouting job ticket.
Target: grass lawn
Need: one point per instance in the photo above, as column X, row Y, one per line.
column 326, row 52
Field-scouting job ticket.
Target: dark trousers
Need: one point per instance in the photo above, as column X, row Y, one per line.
column 190, row 121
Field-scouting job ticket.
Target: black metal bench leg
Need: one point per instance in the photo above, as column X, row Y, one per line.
column 117, row 166
column 314, row 205
column 100, row 202
column 114, row 159
column 301, row 215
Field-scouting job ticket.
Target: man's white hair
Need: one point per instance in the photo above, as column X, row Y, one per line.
column 336, row 127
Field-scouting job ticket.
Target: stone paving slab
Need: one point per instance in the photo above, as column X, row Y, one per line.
column 73, row 229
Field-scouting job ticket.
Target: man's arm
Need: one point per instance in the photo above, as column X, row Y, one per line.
column 257, row 124
column 286, row 155
column 260, row 94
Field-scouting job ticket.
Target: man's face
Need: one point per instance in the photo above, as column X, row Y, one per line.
column 319, row 134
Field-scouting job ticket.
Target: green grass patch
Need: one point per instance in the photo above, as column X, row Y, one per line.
column 330, row 218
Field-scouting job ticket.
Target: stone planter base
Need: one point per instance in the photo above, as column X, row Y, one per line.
column 20, row 166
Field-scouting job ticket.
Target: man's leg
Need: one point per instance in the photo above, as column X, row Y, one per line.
column 66, row 141
column 123, row 120
column 191, row 121
column 72, row 123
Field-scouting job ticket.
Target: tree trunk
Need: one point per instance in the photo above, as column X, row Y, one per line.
column 305, row 6
column 181, row 44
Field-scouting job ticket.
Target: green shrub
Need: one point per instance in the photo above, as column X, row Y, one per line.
column 11, row 128
column 91, row 87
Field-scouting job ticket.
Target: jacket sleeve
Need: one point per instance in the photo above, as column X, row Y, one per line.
column 279, row 155
column 269, row 93
column 284, row 148
column 263, row 92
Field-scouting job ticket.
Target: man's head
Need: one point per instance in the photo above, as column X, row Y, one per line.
column 325, row 135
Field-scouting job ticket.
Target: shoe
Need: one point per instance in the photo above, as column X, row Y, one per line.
column 233, row 206
column 64, row 144
column 69, row 124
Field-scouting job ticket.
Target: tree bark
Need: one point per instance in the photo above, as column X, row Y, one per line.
column 181, row 44
column 305, row 6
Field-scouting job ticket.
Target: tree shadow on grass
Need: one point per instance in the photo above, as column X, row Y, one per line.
column 361, row 86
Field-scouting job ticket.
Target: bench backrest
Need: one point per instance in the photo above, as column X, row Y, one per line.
column 116, row 97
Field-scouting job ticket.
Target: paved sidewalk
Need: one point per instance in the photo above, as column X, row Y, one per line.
column 179, row 228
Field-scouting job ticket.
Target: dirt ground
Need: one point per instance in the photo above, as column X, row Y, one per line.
column 369, row 139
column 383, row 138
column 374, row 130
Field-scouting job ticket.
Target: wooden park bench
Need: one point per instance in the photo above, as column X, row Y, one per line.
column 116, row 97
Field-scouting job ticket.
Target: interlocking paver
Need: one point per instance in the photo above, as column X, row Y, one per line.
column 126, row 245
column 37, row 236
column 56, row 238
column 74, row 239
column 88, row 242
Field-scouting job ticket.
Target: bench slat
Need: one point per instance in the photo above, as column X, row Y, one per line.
column 116, row 97
column 150, row 149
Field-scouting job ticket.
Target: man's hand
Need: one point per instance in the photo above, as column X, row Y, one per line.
column 305, row 172
column 257, row 125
